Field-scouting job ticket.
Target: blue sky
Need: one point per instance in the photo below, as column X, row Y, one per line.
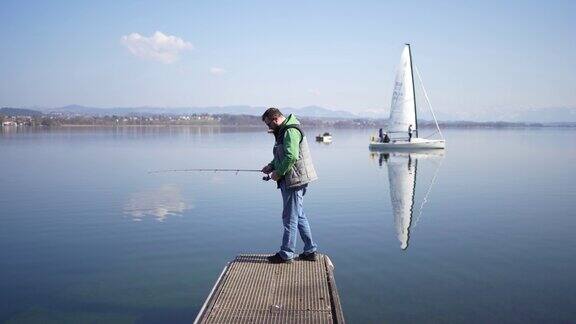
column 473, row 56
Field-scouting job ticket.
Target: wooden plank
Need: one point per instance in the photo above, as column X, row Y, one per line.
column 252, row 290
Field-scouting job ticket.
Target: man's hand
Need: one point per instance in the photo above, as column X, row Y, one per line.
column 267, row 169
column 274, row 176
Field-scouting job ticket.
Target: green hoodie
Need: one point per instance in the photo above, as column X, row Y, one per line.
column 292, row 139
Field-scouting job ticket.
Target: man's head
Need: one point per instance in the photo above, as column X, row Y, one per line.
column 273, row 118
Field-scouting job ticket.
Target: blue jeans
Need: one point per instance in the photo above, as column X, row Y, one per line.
column 293, row 218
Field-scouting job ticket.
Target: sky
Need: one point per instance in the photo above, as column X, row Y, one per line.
column 473, row 55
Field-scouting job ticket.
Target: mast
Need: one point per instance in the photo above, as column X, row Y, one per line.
column 413, row 89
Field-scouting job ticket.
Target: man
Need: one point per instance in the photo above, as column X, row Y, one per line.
column 410, row 133
column 292, row 169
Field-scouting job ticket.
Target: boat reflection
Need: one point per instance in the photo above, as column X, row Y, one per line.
column 158, row 203
column 402, row 177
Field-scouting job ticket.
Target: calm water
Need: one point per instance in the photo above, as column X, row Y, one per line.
column 87, row 235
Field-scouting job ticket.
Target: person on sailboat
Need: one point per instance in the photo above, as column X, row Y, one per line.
column 410, row 133
column 292, row 168
column 383, row 136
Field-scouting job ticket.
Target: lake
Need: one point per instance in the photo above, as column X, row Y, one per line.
column 482, row 233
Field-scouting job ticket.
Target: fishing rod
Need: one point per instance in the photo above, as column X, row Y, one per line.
column 266, row 178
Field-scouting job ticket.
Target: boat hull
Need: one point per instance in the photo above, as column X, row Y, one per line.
column 415, row 144
column 324, row 139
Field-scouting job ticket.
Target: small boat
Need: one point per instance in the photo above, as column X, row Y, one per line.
column 402, row 132
column 325, row 138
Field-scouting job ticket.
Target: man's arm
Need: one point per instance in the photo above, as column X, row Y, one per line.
column 292, row 139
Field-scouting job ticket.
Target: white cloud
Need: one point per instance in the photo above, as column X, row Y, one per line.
column 314, row 92
column 159, row 47
column 217, row 71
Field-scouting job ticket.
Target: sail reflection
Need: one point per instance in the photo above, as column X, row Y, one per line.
column 402, row 177
column 158, row 203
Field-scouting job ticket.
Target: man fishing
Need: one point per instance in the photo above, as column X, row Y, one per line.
column 292, row 169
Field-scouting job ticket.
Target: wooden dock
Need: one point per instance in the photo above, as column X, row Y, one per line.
column 252, row 290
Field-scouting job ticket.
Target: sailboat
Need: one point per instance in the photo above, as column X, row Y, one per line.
column 403, row 132
column 402, row 176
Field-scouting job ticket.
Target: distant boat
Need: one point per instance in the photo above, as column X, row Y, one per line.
column 325, row 138
column 402, row 132
column 402, row 176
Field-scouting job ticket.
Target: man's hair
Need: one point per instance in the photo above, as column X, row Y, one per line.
column 271, row 113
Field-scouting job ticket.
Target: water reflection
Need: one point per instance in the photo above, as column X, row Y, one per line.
column 158, row 203
column 402, row 178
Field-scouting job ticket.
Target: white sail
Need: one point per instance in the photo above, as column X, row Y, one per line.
column 402, row 177
column 402, row 109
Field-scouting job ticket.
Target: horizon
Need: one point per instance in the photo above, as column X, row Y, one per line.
column 339, row 56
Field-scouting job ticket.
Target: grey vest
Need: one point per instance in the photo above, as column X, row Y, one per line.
column 302, row 172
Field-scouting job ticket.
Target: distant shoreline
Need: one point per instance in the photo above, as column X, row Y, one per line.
column 11, row 117
column 247, row 116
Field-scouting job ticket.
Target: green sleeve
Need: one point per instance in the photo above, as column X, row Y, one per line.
column 292, row 139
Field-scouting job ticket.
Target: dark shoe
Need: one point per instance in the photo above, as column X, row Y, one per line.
column 276, row 258
column 312, row 256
